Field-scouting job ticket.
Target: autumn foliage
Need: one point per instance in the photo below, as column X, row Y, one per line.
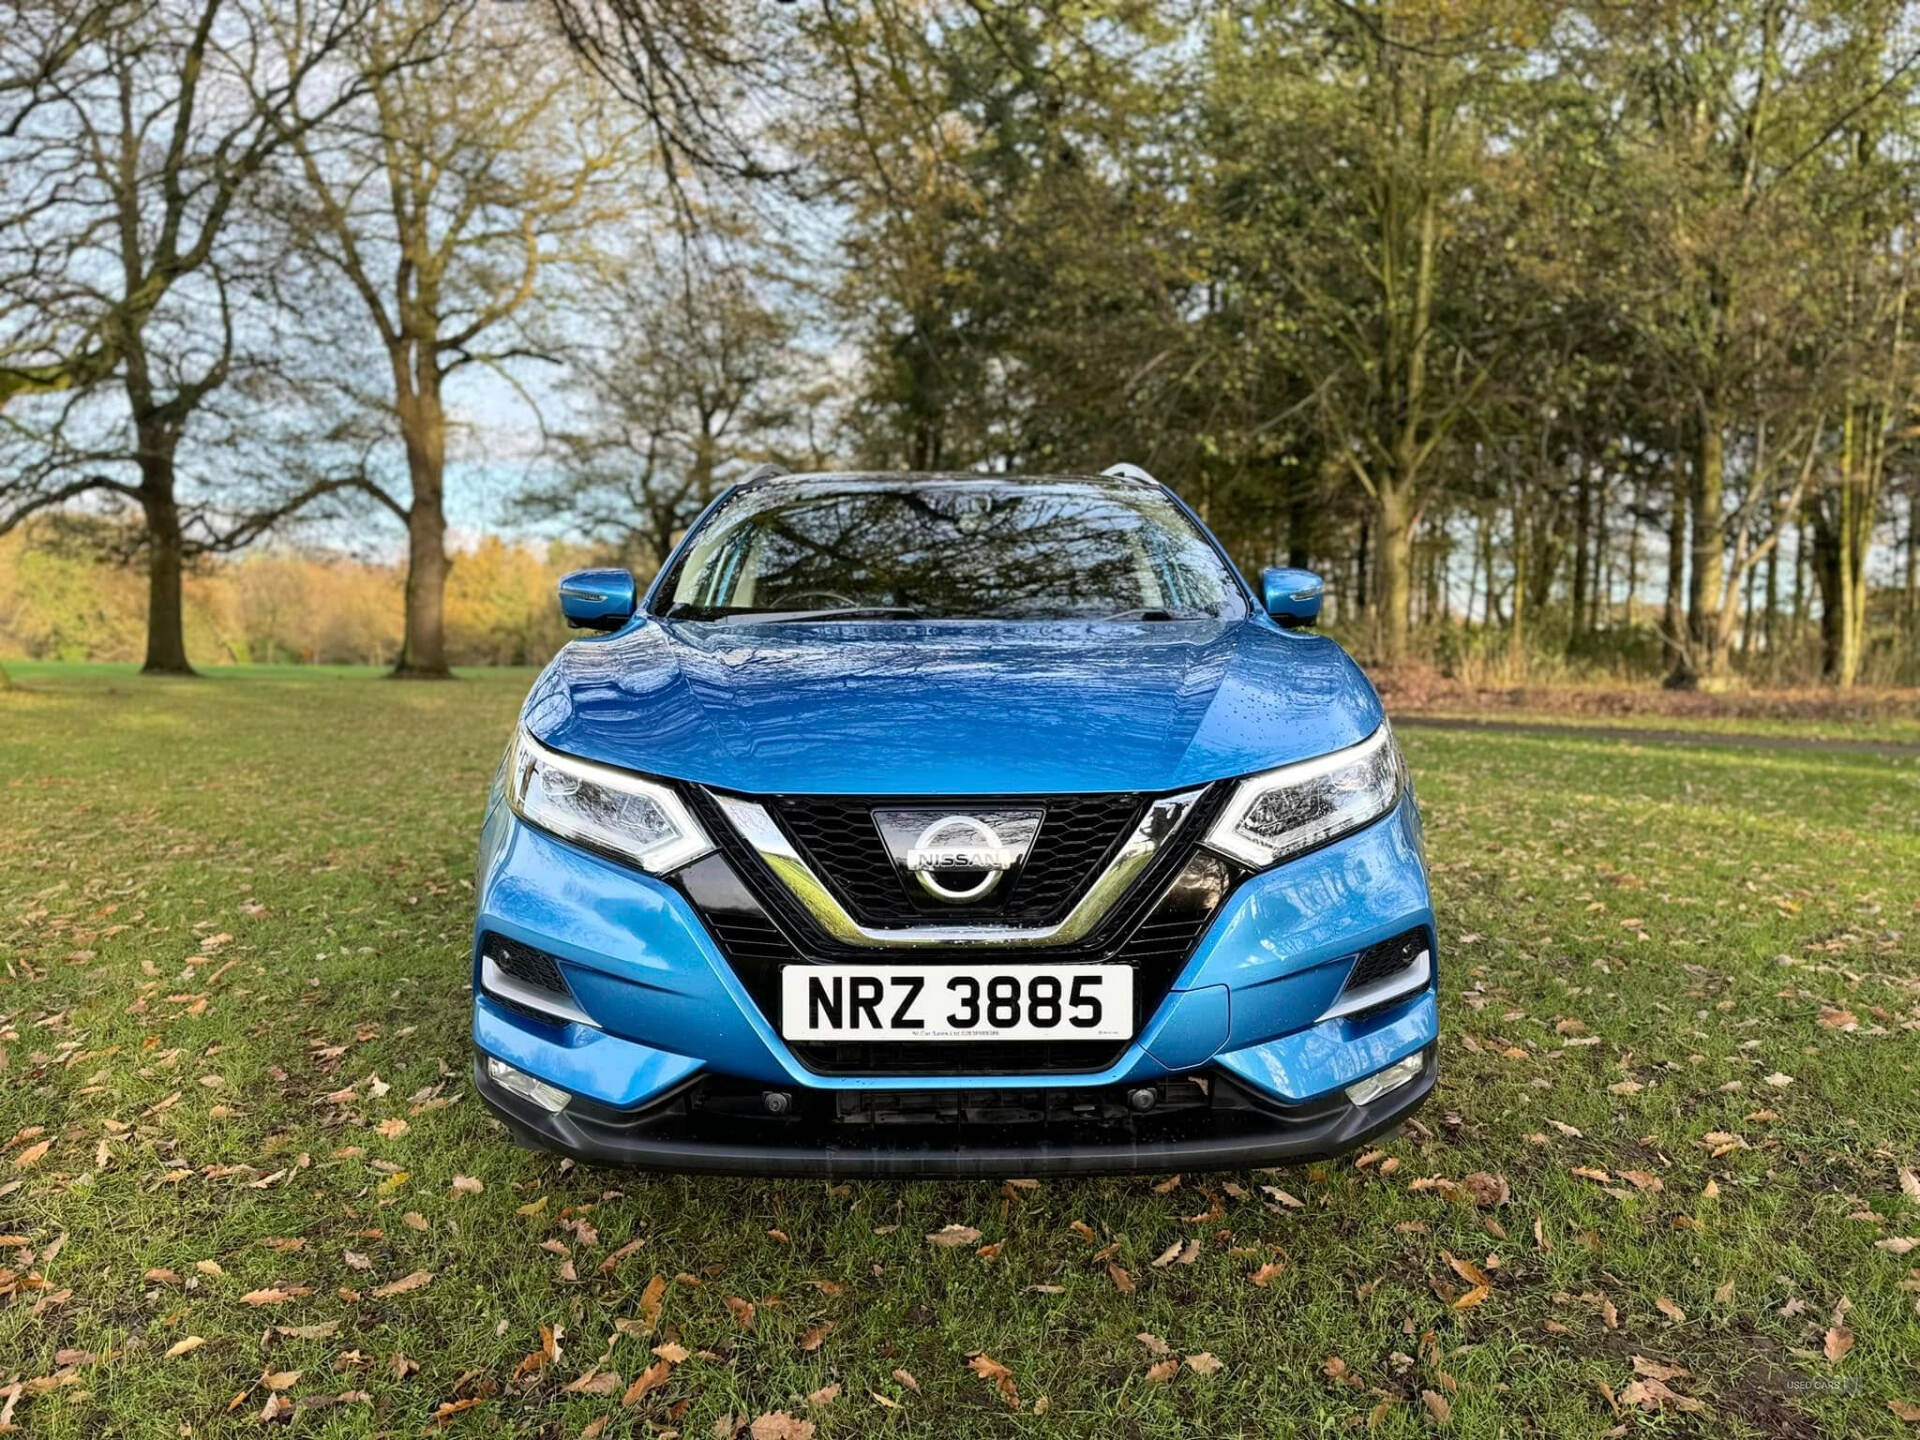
column 73, row 601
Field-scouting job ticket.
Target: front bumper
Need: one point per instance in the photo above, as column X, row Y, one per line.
column 678, row 1134
column 672, row 1026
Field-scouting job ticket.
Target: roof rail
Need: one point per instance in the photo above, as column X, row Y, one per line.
column 767, row 471
column 1127, row 471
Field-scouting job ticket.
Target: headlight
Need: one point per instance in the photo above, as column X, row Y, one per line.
column 608, row 809
column 1282, row 812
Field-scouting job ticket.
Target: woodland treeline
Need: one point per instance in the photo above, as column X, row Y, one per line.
column 1552, row 334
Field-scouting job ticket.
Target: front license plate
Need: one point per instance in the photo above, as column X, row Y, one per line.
column 956, row 1002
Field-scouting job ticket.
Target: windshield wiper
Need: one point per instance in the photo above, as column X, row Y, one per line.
column 1156, row 612
column 837, row 612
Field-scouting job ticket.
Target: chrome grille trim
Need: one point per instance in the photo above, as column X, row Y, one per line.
column 757, row 827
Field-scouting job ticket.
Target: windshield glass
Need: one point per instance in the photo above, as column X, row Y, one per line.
column 950, row 549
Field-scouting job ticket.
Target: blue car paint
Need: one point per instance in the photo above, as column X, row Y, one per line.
column 639, row 961
column 951, row 708
column 598, row 599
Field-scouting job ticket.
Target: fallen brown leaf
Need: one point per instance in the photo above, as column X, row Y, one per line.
column 417, row 1280
column 779, row 1425
column 652, row 1378
column 987, row 1368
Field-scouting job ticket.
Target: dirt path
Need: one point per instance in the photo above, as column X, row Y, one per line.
column 1892, row 749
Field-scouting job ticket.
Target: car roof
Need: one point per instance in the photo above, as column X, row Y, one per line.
column 936, row 479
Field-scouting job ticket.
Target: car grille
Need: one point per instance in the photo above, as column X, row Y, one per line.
column 524, row 963
column 1154, row 928
column 1388, row 958
column 1077, row 837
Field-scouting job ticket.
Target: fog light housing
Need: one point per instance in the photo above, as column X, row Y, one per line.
column 527, row 1087
column 1365, row 1091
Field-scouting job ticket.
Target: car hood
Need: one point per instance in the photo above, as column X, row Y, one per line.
column 951, row 708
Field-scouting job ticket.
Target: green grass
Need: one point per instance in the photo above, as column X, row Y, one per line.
column 1633, row 939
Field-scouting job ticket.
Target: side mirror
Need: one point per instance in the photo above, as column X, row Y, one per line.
column 598, row 599
column 1292, row 596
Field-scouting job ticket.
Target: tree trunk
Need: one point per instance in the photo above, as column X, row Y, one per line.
column 1676, row 609
column 1633, row 551
column 1301, row 488
column 1517, row 635
column 1746, row 616
column 166, row 564
column 1706, row 641
column 1394, row 571
column 1361, row 564
column 1769, row 627
column 1582, row 559
column 423, row 653
column 1827, row 579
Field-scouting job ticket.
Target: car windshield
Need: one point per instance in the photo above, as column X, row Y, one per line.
column 949, row 549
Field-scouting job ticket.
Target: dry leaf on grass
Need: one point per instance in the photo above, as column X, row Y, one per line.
column 1487, row 1190
column 418, row 1280
column 1672, row 1311
column 184, row 1347
column 1266, row 1273
column 1205, row 1363
column 1650, row 1394
column 1437, row 1406
column 743, row 1311
column 825, row 1395
column 954, row 1235
column 1839, row 1341
column 779, row 1425
column 650, row 1300
column 1122, row 1281
column 1164, row 1371
column 988, row 1368
column 651, row 1379
column 906, row 1378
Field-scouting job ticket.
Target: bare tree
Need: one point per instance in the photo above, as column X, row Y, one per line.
column 133, row 133
column 718, row 380
column 448, row 203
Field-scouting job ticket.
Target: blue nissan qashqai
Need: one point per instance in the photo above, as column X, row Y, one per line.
column 951, row 824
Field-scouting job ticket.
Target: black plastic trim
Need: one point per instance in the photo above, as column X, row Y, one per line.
column 671, row 1135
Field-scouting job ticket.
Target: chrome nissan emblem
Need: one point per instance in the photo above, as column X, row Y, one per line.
column 957, row 845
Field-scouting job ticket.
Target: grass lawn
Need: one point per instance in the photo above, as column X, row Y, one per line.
column 241, row 1170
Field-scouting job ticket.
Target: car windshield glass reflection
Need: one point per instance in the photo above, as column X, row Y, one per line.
column 800, row 551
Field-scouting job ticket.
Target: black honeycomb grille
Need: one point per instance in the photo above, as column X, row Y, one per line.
column 524, row 963
column 1388, row 958
column 1077, row 837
